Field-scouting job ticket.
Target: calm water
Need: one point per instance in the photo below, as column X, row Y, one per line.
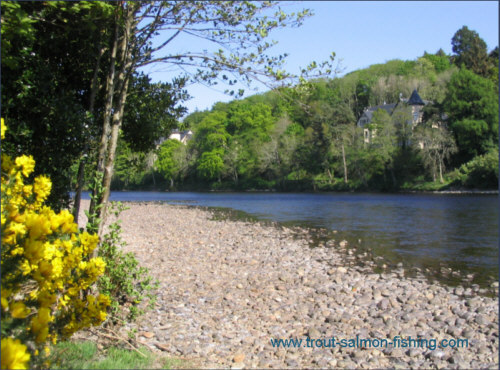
column 460, row 231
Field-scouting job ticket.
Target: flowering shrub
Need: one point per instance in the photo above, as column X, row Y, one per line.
column 46, row 269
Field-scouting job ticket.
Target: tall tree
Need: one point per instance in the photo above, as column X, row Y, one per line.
column 384, row 144
column 341, row 128
column 152, row 110
column 472, row 105
column 239, row 28
column 433, row 141
column 166, row 163
column 50, row 62
column 470, row 50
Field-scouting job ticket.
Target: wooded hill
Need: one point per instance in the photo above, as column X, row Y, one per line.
column 308, row 137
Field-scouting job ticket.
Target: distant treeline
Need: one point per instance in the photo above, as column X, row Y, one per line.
column 307, row 137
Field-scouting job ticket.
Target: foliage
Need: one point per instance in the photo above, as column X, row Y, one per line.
column 46, row 266
column 436, row 145
column 166, row 164
column 151, row 111
column 125, row 282
column 472, row 105
column 85, row 355
column 441, row 62
column 130, row 165
column 52, row 52
column 481, row 172
column 470, row 51
column 211, row 164
column 306, row 137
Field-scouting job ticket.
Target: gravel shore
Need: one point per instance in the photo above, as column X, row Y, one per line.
column 228, row 287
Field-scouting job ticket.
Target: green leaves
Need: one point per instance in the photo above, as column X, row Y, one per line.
column 211, row 164
column 166, row 163
column 152, row 111
column 470, row 51
column 472, row 104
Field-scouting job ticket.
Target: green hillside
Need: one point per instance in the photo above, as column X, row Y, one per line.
column 308, row 137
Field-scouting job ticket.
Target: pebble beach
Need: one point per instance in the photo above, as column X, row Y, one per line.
column 228, row 287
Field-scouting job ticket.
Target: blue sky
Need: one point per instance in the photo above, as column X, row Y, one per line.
column 362, row 33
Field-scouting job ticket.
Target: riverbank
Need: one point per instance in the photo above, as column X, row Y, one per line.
column 228, row 287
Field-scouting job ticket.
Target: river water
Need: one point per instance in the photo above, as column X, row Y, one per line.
column 455, row 230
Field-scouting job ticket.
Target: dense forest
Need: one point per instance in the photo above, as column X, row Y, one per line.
column 302, row 137
column 307, row 138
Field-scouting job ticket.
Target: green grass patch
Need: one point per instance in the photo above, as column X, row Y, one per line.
column 85, row 355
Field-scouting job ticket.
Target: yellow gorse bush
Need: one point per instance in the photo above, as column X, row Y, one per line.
column 46, row 269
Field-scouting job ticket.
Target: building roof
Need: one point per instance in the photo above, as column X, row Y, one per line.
column 415, row 99
column 368, row 113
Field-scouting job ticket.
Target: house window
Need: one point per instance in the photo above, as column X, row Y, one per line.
column 415, row 117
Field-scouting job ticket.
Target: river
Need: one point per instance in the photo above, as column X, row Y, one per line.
column 455, row 230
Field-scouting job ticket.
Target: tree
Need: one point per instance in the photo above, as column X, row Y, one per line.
column 131, row 166
column 166, row 163
column 403, row 121
column 211, row 164
column 275, row 155
column 340, row 126
column 493, row 60
column 385, row 141
column 472, row 106
column 51, row 54
column 470, row 50
column 239, row 28
column 435, row 145
column 152, row 111
column 211, row 133
column 440, row 60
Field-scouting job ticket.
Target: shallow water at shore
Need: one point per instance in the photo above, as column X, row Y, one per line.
column 441, row 233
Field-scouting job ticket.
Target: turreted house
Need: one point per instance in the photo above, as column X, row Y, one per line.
column 415, row 102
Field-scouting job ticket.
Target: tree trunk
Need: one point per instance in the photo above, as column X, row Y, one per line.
column 330, row 176
column 122, row 83
column 441, row 180
column 110, row 91
column 78, row 190
column 113, row 141
column 345, row 165
column 81, row 167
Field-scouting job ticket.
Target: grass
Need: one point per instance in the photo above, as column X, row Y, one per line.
column 85, row 355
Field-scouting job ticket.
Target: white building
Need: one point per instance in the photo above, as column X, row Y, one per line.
column 182, row 136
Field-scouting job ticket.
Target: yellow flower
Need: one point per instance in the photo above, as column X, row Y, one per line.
column 17, row 228
column 38, row 225
column 46, row 299
column 3, row 128
column 14, row 354
column 5, row 295
column 45, row 268
column 26, row 164
column 42, row 187
column 25, row 267
column 33, row 250
column 18, row 310
column 39, row 324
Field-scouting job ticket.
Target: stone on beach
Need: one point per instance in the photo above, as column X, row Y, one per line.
column 228, row 287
